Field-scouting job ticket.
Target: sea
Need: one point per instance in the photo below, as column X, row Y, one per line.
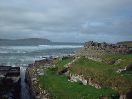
column 21, row 56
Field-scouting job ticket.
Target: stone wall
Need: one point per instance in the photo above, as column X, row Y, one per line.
column 33, row 71
column 109, row 48
column 95, row 50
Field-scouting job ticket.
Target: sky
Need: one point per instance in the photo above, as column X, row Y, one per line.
column 67, row 20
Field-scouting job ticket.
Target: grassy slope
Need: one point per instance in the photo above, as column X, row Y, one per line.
column 83, row 64
column 60, row 64
column 104, row 74
column 126, row 59
column 61, row 88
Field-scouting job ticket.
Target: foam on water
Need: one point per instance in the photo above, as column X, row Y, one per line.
column 26, row 49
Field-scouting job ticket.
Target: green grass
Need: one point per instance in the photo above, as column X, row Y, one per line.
column 60, row 63
column 85, row 65
column 105, row 74
column 126, row 59
column 60, row 88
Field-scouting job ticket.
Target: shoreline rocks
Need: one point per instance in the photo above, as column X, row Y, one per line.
column 10, row 82
column 32, row 73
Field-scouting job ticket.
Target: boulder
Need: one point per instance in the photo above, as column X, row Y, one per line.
column 122, row 97
column 118, row 61
column 73, row 78
column 84, row 82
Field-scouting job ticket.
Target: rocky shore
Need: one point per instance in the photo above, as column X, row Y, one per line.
column 10, row 82
column 39, row 68
column 35, row 70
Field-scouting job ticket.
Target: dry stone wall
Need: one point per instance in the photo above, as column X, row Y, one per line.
column 95, row 50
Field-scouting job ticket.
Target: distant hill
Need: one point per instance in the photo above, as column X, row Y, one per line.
column 32, row 41
column 128, row 43
column 29, row 41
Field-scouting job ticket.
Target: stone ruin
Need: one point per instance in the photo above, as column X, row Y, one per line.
column 109, row 48
column 95, row 50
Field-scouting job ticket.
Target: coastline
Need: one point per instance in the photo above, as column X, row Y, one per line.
column 38, row 70
column 35, row 70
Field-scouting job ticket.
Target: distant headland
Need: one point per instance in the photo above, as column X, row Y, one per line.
column 33, row 41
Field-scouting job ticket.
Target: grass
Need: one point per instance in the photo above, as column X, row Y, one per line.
column 127, row 59
column 85, row 65
column 105, row 74
column 61, row 88
column 60, row 63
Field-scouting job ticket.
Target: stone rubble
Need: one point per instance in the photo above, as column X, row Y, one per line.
column 95, row 50
column 80, row 78
column 33, row 71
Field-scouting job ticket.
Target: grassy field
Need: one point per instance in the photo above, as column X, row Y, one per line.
column 61, row 88
column 105, row 74
column 126, row 59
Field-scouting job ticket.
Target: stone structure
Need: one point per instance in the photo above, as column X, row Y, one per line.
column 35, row 70
column 10, row 82
column 94, row 50
column 109, row 48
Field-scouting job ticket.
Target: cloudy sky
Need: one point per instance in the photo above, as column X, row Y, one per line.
column 67, row 20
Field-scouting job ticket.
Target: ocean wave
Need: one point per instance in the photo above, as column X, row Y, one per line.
column 60, row 46
column 27, row 49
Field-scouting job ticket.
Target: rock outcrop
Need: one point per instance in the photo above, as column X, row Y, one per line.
column 10, row 82
column 32, row 73
column 95, row 49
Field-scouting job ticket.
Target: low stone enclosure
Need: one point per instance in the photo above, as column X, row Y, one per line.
column 10, row 82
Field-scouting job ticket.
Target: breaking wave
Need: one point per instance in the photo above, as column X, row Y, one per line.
column 27, row 49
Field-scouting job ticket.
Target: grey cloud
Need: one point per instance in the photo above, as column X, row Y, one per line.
column 70, row 20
